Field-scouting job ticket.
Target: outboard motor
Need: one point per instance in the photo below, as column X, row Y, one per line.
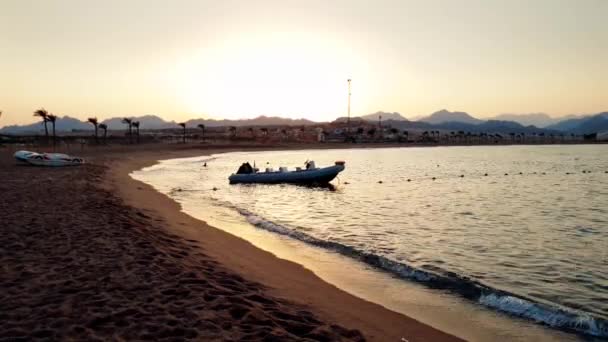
column 310, row 165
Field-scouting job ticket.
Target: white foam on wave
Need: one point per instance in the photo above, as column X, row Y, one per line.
column 553, row 317
column 499, row 300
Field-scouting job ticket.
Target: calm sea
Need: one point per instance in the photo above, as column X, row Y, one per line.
column 519, row 229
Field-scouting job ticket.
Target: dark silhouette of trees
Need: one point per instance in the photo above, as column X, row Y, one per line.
column 202, row 127
column 43, row 114
column 232, row 130
column 183, row 125
column 371, row 132
column 136, row 125
column 105, row 131
column 95, row 124
column 52, row 118
column 129, row 123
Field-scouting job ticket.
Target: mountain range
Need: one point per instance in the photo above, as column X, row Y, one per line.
column 443, row 119
column 69, row 124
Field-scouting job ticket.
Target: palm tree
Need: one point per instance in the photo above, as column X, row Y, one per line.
column 43, row 114
column 264, row 131
column 52, row 118
column 136, row 125
column 202, row 127
column 105, row 131
column 95, row 124
column 251, row 131
column 232, row 130
column 129, row 123
column 183, row 125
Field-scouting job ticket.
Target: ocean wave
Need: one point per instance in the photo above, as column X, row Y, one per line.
column 512, row 304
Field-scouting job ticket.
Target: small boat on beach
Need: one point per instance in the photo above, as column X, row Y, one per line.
column 47, row 159
column 22, row 156
column 310, row 175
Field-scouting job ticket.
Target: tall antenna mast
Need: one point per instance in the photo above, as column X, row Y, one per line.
column 348, row 119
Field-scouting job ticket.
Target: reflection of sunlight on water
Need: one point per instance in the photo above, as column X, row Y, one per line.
column 472, row 226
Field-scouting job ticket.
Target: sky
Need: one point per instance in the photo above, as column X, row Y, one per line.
column 183, row 59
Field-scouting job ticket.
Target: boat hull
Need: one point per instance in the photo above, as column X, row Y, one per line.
column 54, row 160
column 317, row 176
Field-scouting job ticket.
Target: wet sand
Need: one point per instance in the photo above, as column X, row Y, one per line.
column 89, row 253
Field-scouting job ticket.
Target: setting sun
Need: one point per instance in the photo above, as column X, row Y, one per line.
column 291, row 74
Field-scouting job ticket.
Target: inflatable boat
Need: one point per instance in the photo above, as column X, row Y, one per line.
column 53, row 159
column 309, row 175
column 21, row 156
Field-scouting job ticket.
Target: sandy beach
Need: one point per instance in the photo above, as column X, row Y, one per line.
column 89, row 253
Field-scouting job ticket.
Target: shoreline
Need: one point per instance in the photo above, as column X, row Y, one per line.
column 285, row 279
column 441, row 312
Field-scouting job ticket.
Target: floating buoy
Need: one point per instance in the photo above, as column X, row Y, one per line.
column 379, row 182
column 567, row 173
column 534, row 172
column 461, row 176
column 409, row 180
column 485, row 174
column 345, row 183
column 214, row 189
column 521, row 173
column 205, row 165
column 506, row 174
column 434, row 178
column 544, row 173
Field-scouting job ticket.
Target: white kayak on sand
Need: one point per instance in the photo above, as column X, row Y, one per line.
column 22, row 155
column 48, row 159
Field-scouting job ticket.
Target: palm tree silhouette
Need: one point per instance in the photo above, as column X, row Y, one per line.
column 183, row 125
column 105, row 131
column 264, row 131
column 232, row 130
column 52, row 118
column 43, row 114
column 251, row 131
column 95, row 124
column 129, row 123
column 136, row 125
column 202, row 127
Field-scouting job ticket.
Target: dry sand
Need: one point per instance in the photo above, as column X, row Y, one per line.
column 88, row 253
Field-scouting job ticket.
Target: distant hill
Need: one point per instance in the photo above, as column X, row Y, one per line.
column 583, row 125
column 145, row 122
column 444, row 116
column 63, row 124
column 385, row 116
column 259, row 121
column 536, row 119
column 68, row 124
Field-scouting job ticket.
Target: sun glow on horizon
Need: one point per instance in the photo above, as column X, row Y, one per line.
column 291, row 75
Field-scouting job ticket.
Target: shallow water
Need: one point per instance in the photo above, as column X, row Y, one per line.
column 530, row 238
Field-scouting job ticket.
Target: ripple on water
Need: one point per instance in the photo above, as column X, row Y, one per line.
column 529, row 230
